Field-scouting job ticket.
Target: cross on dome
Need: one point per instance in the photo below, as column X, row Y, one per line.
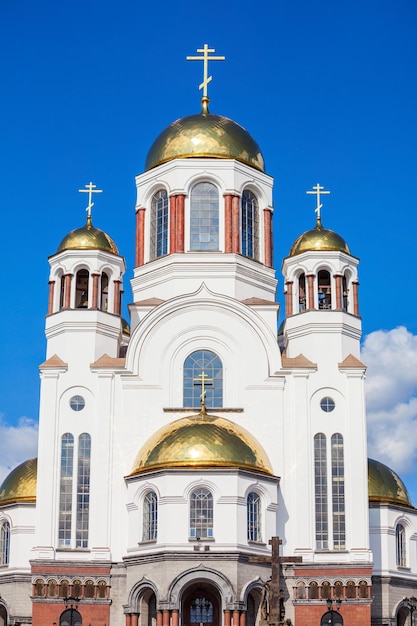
column 318, row 191
column 205, row 58
column 90, row 189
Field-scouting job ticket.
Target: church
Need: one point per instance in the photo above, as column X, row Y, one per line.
column 196, row 466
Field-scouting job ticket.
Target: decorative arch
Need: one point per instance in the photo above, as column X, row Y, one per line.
column 200, row 574
column 142, row 593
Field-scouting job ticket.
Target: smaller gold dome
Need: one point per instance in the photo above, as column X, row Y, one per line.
column 88, row 238
column 320, row 239
column 202, row 441
column 205, row 135
column 20, row 484
column 385, row 486
column 125, row 327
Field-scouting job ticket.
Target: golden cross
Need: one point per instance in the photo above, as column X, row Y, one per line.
column 203, row 378
column 318, row 191
column 205, row 58
column 90, row 189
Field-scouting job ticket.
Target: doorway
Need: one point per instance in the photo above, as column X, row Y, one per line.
column 201, row 607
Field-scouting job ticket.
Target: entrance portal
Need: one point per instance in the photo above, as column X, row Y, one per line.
column 201, row 607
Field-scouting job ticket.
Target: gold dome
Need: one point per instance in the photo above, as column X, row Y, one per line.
column 320, row 239
column 205, row 135
column 202, row 441
column 385, row 486
column 88, row 238
column 20, row 484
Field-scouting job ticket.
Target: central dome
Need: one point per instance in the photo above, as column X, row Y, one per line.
column 205, row 135
column 202, row 441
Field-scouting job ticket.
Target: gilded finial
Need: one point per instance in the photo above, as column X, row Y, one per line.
column 318, row 191
column 90, row 189
column 203, row 379
column 206, row 79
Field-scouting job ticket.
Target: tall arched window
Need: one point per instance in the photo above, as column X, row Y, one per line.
column 320, row 484
column 65, row 490
column 159, row 225
column 150, row 517
column 338, row 493
column 253, row 503
column 201, row 514
column 203, row 364
column 104, row 292
column 4, row 543
column 400, row 545
column 83, row 490
column 81, row 289
column 204, row 217
column 302, row 296
column 324, row 290
column 249, row 225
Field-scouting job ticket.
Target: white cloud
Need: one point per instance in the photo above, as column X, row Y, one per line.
column 17, row 444
column 391, row 397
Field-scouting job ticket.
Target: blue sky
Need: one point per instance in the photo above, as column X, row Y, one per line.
column 328, row 90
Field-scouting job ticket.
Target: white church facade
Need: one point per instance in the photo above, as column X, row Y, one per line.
column 173, row 448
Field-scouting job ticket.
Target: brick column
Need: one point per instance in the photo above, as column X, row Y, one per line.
column 228, row 223
column 94, row 298
column 128, row 619
column 289, row 299
column 67, row 294
column 180, row 222
column 117, row 297
column 227, row 618
column 140, row 237
column 235, row 224
column 134, row 619
column 51, row 296
column 355, row 286
column 338, row 279
column 242, row 619
column 310, row 291
column 235, row 617
column 268, row 237
column 165, row 617
column 159, row 618
column 175, row 617
column 172, row 224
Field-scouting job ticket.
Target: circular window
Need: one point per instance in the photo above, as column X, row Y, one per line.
column 327, row 404
column 77, row 403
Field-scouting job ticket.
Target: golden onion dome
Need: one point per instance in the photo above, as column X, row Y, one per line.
column 205, row 135
column 88, row 238
column 385, row 486
column 202, row 441
column 125, row 327
column 320, row 239
column 20, row 484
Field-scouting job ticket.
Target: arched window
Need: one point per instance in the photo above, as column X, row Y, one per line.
column 159, row 225
column 76, row 589
column 61, row 292
column 102, row 589
column 324, row 290
column 302, row 297
column 200, row 365
column 345, row 293
column 4, row 543
column 104, row 295
column 249, row 225
column 363, row 589
column 338, row 493
column 254, row 517
column 201, row 611
column 89, row 589
column 39, row 588
column 400, row 546
column 301, row 591
column 83, row 490
column 338, row 589
column 313, row 590
column 150, row 517
column 320, row 483
column 201, row 514
column 204, row 217
column 65, row 490
column 325, row 590
column 350, row 589
column 52, row 588
column 81, row 289
column 64, row 589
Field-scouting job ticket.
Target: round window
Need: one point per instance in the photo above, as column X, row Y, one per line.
column 327, row 404
column 77, row 403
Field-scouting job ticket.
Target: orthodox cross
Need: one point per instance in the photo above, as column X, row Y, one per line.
column 318, row 191
column 90, row 189
column 205, row 58
column 203, row 379
column 275, row 612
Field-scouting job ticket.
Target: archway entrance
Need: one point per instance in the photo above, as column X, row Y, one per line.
column 201, row 606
